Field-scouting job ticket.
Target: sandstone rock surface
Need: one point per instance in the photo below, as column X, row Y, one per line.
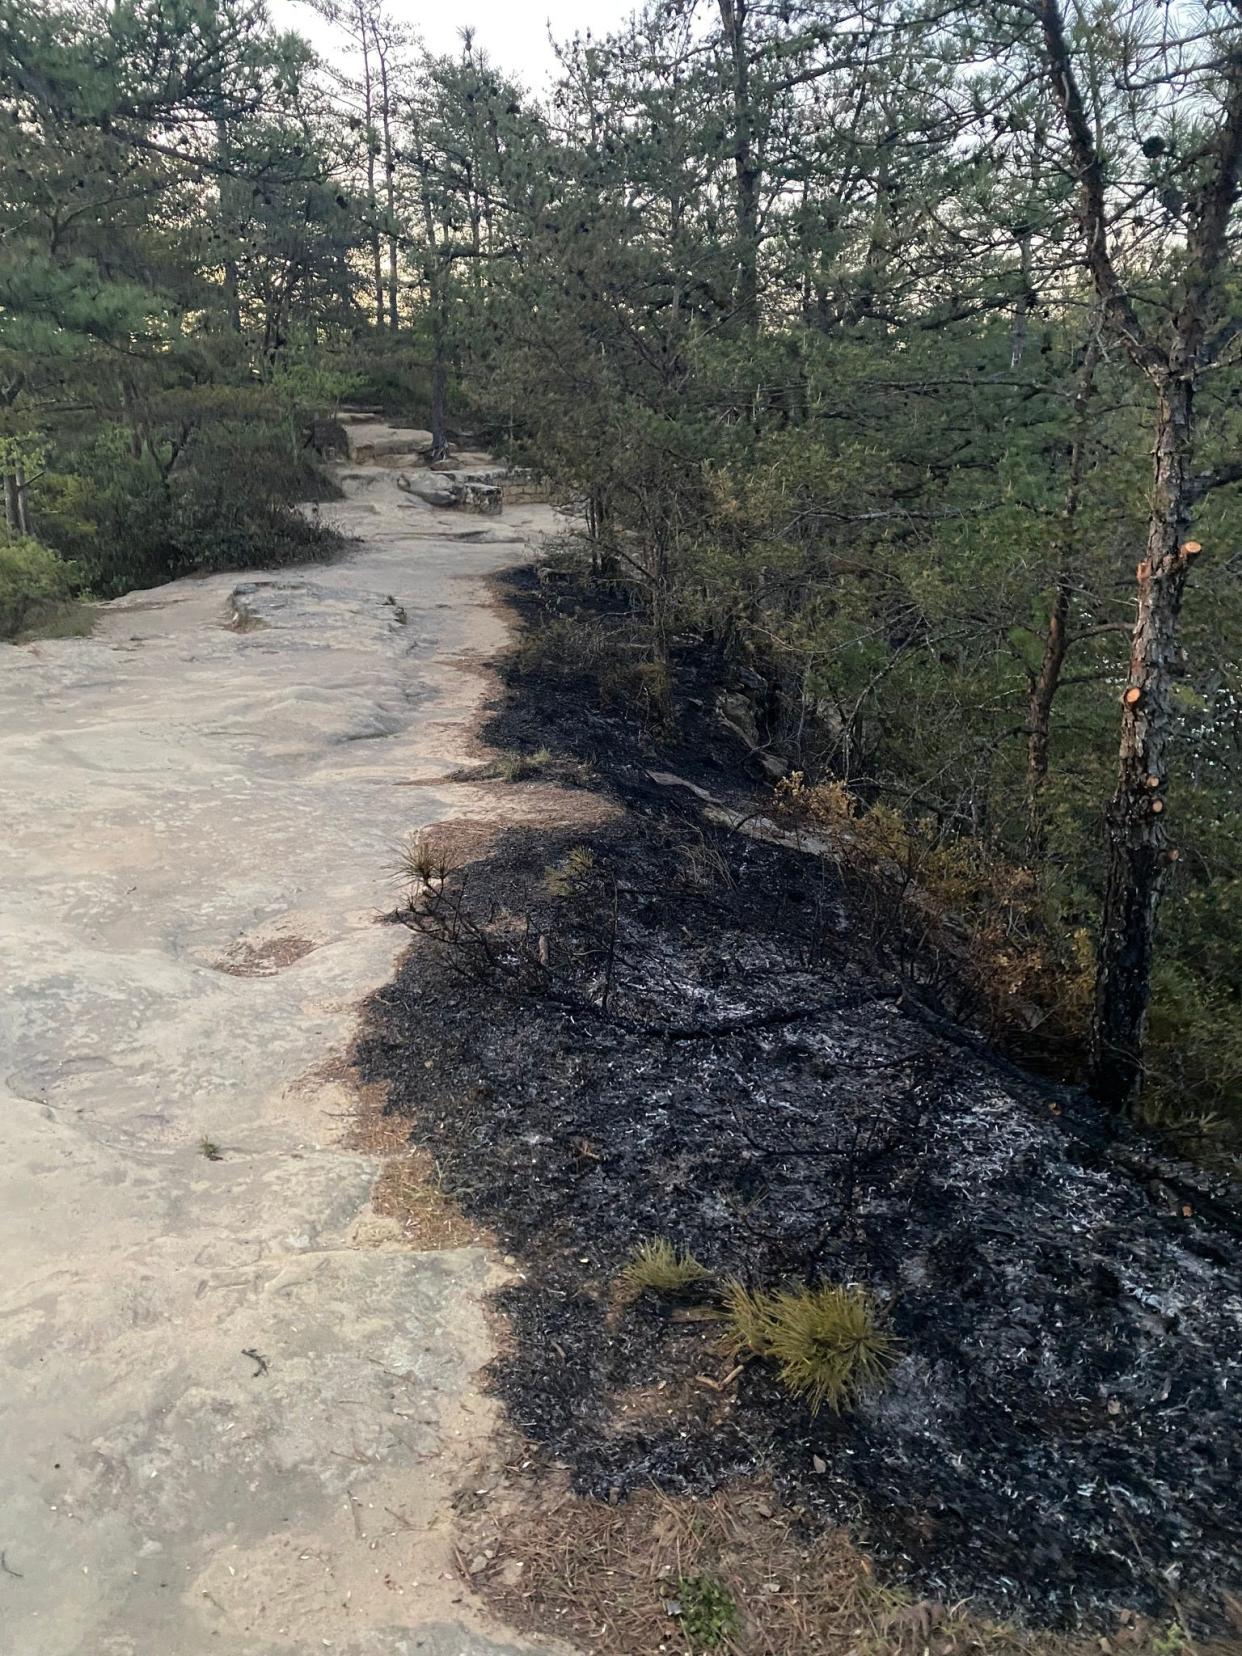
column 233, row 1408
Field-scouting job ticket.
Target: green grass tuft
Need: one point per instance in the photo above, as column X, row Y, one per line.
column 826, row 1341
column 511, row 766
column 657, row 1266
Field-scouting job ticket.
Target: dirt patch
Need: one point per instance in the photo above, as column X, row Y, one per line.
column 408, row 1189
column 458, row 840
column 264, row 959
column 660, row 1029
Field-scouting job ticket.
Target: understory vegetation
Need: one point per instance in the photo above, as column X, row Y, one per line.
column 826, row 1341
column 889, row 352
column 778, row 1217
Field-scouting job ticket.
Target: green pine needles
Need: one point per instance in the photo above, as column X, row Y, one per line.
column 827, row 1341
column 658, row 1266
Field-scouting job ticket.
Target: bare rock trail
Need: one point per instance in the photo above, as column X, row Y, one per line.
column 234, row 1407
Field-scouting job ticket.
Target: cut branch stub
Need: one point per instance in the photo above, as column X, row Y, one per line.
column 1191, row 549
column 1133, row 696
column 1153, row 781
column 1157, row 805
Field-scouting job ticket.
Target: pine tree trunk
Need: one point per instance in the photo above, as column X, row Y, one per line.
column 1039, row 714
column 745, row 171
column 1137, row 843
column 10, row 503
column 377, row 272
column 1056, row 637
column 390, row 190
column 1022, row 305
column 19, row 490
column 439, row 387
column 232, row 299
column 392, row 268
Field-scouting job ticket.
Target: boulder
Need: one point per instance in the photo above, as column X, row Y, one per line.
column 432, row 490
column 375, row 441
column 737, row 714
column 484, row 498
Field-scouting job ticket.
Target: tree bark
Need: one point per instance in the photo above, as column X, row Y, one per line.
column 390, row 186
column 372, row 202
column 19, row 490
column 1137, row 855
column 1022, row 305
column 1137, row 842
column 1057, row 635
column 439, row 390
column 225, row 195
column 745, row 171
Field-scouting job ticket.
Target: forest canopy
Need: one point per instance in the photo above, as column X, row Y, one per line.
column 890, row 351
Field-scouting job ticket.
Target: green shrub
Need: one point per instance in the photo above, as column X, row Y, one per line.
column 826, row 1341
column 32, row 579
column 227, row 504
column 644, row 688
column 563, row 647
column 512, row 766
column 1194, row 1081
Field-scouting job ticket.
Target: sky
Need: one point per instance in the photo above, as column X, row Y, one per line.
column 514, row 33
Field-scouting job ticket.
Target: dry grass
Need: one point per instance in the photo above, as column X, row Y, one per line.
column 661, row 1268
column 827, row 1341
column 512, row 766
column 265, row 959
column 607, row 1580
column 704, row 868
column 409, row 1189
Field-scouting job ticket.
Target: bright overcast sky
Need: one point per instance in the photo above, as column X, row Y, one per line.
column 514, row 33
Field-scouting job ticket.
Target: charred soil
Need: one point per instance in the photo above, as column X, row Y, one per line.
column 662, row 1029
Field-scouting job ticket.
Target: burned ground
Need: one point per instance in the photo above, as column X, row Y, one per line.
column 662, row 1030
